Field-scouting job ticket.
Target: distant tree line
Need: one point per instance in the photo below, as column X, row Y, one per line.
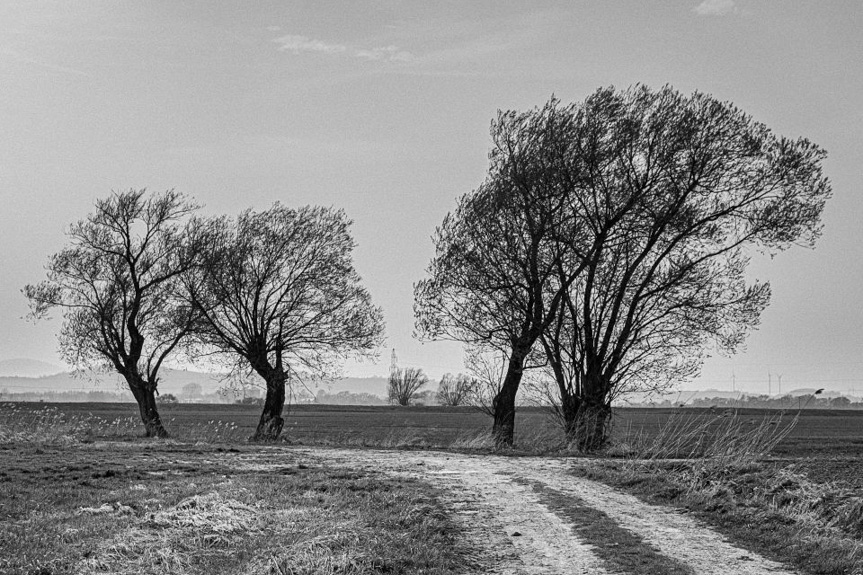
column 787, row 402
column 348, row 398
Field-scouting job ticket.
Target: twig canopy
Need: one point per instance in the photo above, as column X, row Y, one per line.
column 617, row 232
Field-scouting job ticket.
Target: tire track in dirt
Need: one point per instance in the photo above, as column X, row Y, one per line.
column 506, row 520
column 492, row 497
column 674, row 534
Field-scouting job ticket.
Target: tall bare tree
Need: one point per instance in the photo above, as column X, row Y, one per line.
column 694, row 186
column 280, row 295
column 117, row 284
column 616, row 231
column 494, row 281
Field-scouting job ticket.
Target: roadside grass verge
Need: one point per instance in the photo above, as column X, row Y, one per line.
column 158, row 509
column 717, row 466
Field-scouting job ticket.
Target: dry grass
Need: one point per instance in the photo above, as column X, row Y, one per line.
column 770, row 510
column 81, row 505
column 136, row 507
column 715, row 446
column 49, row 425
column 717, row 465
column 89, row 505
column 211, row 431
column 23, row 424
column 725, row 437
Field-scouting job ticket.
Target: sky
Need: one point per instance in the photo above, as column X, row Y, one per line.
column 383, row 108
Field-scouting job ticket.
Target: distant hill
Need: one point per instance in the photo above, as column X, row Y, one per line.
column 22, row 367
column 171, row 381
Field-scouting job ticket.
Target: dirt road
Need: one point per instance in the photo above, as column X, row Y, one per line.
column 508, row 508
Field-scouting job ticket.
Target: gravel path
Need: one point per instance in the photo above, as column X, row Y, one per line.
column 505, row 517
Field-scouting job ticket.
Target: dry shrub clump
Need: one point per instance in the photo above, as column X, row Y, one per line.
column 209, row 513
column 715, row 445
column 826, row 508
column 169, row 540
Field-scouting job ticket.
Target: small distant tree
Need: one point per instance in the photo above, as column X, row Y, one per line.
column 118, row 286
column 279, row 295
column 455, row 390
column 167, row 398
column 404, row 384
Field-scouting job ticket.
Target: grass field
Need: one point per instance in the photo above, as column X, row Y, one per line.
column 826, row 444
column 92, row 496
column 138, row 508
column 823, row 435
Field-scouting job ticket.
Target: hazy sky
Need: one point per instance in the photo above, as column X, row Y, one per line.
column 383, row 109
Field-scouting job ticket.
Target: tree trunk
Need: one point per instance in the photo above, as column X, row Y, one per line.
column 503, row 428
column 592, row 425
column 271, row 422
column 145, row 394
column 587, row 415
column 569, row 407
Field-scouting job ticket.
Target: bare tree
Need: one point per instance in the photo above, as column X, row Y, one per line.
column 404, row 383
column 455, row 390
column 117, row 283
column 677, row 192
column 617, row 231
column 280, row 295
column 495, row 280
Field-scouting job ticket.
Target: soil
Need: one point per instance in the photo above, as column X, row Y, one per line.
column 504, row 516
